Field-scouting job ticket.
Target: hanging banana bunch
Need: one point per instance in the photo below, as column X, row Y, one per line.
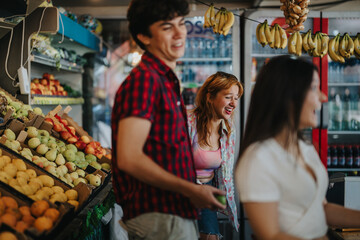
column 221, row 22
column 275, row 36
column 346, row 46
column 334, row 49
column 357, row 46
column 295, row 44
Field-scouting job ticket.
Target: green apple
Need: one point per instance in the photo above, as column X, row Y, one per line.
column 95, row 164
column 37, row 111
column 106, row 166
column 42, row 149
column 221, row 199
column 71, row 147
column 90, row 158
column 69, row 155
column 34, row 142
column 32, row 132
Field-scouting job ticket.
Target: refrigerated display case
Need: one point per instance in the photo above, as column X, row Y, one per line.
column 342, row 87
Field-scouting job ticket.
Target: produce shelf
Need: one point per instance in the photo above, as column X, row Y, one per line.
column 64, row 65
column 48, row 100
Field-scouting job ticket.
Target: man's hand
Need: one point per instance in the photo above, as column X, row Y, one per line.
column 203, row 196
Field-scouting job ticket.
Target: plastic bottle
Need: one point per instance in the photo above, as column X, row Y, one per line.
column 337, row 113
column 334, row 157
column 332, row 109
column 349, row 160
column 346, row 110
column 356, row 157
column 341, row 156
column 328, row 157
column 222, row 46
column 354, row 108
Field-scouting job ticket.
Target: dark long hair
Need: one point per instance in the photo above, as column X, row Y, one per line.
column 142, row 13
column 204, row 109
column 277, row 99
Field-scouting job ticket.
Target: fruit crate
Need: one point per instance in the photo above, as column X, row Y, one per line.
column 84, row 191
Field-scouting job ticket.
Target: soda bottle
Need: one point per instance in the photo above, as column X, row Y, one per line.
column 349, row 160
column 341, row 156
column 328, row 157
column 346, row 110
column 356, row 157
column 334, row 157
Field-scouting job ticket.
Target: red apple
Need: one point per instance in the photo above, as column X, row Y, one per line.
column 108, row 156
column 89, row 149
column 80, row 145
column 58, row 127
column 65, row 135
column 64, row 122
column 72, row 140
column 46, row 76
column 72, row 130
column 44, row 82
column 49, row 120
column 85, row 139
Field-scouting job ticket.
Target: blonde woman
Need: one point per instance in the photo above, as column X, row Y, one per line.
column 212, row 136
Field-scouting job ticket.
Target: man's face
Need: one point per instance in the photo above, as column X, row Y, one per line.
column 167, row 40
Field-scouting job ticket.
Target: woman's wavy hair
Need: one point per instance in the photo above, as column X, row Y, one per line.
column 142, row 13
column 277, row 99
column 204, row 110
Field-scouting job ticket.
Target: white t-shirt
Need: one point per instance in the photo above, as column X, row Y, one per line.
column 267, row 173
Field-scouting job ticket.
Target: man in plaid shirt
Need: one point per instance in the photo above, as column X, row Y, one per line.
column 153, row 169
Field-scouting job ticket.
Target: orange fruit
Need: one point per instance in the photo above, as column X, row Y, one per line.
column 43, row 224
column 28, row 219
column 9, row 202
column 15, row 212
column 52, row 213
column 21, row 226
column 39, row 207
column 7, row 236
column 2, row 207
column 24, row 210
column 9, row 219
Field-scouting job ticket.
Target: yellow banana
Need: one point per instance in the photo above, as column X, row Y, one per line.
column 222, row 21
column 292, row 43
column 317, row 41
column 207, row 22
column 298, row 46
column 305, row 41
column 311, row 41
column 272, row 33
column 258, row 33
column 212, row 15
column 343, row 47
column 267, row 32
column 357, row 45
column 337, row 48
column 230, row 20
column 277, row 38
column 217, row 21
column 350, row 46
column 324, row 44
column 332, row 52
column 283, row 36
column 262, row 37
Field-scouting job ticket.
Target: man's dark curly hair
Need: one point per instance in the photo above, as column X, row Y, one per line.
column 142, row 13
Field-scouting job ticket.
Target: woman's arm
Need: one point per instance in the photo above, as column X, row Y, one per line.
column 339, row 216
column 264, row 221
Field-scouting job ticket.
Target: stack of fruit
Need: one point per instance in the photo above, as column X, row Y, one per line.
column 15, row 173
column 221, row 22
column 40, row 215
column 19, row 110
column 64, row 161
column 47, row 85
column 343, row 47
column 295, row 12
column 273, row 36
column 68, row 133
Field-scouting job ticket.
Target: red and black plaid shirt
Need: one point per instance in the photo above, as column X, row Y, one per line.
column 152, row 92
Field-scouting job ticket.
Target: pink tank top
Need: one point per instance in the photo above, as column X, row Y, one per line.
column 206, row 161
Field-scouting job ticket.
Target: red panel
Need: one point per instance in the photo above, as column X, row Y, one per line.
column 315, row 138
column 323, row 147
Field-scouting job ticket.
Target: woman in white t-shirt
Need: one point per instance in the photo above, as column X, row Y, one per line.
column 280, row 178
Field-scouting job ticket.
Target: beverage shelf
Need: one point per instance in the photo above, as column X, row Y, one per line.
column 205, row 60
column 345, row 84
column 343, row 169
column 343, row 132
